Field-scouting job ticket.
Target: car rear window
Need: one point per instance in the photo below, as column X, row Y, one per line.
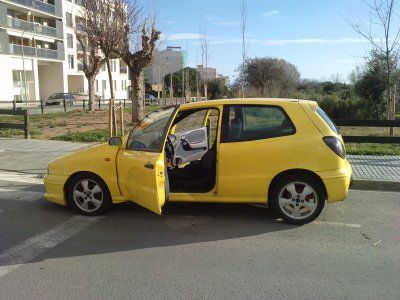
column 327, row 120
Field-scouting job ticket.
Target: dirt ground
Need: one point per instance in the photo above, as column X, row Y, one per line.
column 53, row 125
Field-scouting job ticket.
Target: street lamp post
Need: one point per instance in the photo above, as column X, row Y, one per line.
column 23, row 59
column 23, row 66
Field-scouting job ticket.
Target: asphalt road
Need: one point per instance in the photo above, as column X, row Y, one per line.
column 196, row 251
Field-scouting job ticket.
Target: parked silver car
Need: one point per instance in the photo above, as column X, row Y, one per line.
column 70, row 99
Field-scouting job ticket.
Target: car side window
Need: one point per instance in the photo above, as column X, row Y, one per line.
column 254, row 122
column 193, row 121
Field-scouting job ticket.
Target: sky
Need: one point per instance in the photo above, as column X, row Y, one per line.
column 312, row 34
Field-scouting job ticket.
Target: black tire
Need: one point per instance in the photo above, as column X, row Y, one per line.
column 75, row 183
column 299, row 179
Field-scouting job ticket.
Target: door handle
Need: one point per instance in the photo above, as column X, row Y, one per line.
column 149, row 166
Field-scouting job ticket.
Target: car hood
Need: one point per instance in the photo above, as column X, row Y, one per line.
column 86, row 159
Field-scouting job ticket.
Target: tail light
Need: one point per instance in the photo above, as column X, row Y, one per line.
column 335, row 145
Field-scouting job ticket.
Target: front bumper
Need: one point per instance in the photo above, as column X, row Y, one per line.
column 54, row 185
column 337, row 183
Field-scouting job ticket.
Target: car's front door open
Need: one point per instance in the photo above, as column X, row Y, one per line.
column 141, row 164
column 142, row 178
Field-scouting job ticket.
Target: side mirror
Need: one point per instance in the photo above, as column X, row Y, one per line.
column 115, row 141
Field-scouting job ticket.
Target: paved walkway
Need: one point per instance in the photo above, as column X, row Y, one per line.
column 32, row 156
column 382, row 168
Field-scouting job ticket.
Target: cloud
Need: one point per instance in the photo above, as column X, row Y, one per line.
column 285, row 42
column 271, row 13
column 228, row 24
column 182, row 36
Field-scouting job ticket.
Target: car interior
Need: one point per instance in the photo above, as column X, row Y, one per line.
column 191, row 151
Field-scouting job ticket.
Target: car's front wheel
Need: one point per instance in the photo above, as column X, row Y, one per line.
column 88, row 194
column 299, row 199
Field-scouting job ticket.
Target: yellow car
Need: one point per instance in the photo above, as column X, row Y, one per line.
column 282, row 153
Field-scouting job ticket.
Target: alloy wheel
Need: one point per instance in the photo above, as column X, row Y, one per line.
column 88, row 195
column 298, row 200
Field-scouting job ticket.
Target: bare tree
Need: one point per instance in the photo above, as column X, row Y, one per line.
column 205, row 56
column 382, row 21
column 243, row 27
column 103, row 21
column 91, row 58
column 140, row 54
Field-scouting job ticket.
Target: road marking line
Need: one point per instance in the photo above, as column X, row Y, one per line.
column 18, row 195
column 337, row 224
column 20, row 177
column 28, row 250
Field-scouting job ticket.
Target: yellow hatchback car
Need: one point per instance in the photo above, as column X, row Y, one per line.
column 286, row 154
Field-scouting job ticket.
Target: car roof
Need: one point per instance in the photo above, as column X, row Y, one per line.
column 264, row 101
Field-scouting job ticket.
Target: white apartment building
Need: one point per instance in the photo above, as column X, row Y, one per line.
column 38, row 47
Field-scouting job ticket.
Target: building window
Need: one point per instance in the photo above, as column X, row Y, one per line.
column 254, row 122
column 97, row 85
column 71, row 63
column 70, row 40
column 115, row 85
column 68, row 19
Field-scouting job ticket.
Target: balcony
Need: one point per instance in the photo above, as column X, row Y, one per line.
column 36, row 52
column 36, row 28
column 40, row 5
column 123, row 70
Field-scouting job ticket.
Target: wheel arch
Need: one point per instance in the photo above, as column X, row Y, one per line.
column 283, row 174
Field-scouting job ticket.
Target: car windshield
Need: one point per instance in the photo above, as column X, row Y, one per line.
column 55, row 96
column 150, row 133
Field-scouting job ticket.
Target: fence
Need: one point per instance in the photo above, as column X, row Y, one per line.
column 370, row 139
column 17, row 112
column 63, row 105
column 66, row 104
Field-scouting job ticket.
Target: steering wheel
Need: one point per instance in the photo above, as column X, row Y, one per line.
column 169, row 147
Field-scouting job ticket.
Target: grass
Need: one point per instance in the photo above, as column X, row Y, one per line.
column 90, row 136
column 373, row 149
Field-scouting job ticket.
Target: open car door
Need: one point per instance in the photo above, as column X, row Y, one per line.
column 141, row 165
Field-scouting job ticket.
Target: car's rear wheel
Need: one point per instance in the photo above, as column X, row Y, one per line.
column 299, row 199
column 88, row 194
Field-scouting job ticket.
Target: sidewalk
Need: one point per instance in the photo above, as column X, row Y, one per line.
column 376, row 172
column 32, row 156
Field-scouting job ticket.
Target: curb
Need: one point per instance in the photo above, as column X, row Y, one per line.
column 376, row 185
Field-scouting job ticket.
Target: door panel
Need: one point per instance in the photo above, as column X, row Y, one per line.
column 142, row 178
column 190, row 145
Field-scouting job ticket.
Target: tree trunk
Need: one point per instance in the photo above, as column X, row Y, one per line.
column 206, row 90
column 112, row 98
column 110, row 78
column 91, row 92
column 197, row 87
column 137, row 103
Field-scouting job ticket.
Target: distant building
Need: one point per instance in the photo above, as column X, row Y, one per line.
column 165, row 62
column 226, row 79
column 206, row 73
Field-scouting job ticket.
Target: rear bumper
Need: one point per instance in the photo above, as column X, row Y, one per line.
column 55, row 189
column 337, row 183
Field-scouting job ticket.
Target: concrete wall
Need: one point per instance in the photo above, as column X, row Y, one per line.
column 51, row 79
column 76, row 83
column 6, row 79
